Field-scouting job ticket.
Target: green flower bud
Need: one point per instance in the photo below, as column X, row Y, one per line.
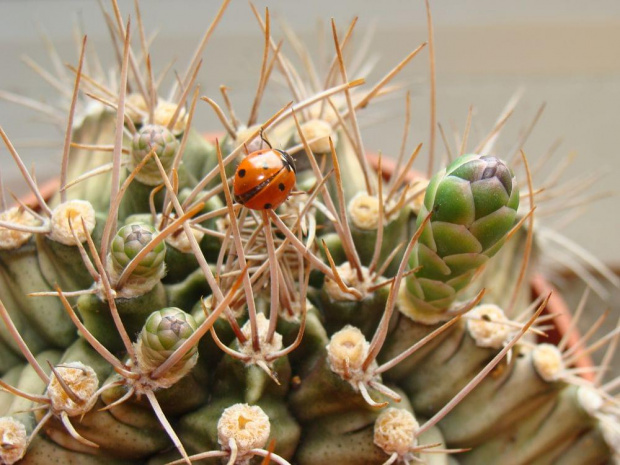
column 129, row 241
column 164, row 332
column 474, row 204
column 163, row 142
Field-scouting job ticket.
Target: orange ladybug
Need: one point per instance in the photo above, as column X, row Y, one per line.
column 264, row 179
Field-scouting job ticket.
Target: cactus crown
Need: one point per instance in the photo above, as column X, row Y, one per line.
column 328, row 316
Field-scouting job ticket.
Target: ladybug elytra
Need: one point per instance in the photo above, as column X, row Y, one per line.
column 264, row 179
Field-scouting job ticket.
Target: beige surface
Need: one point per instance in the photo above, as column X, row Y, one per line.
column 563, row 53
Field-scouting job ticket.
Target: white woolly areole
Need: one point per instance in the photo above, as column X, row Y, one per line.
column 9, row 238
column 346, row 352
column 163, row 115
column 364, row 211
column 72, row 211
column 548, row 362
column 317, row 132
column 13, row 440
column 83, row 382
column 350, row 278
column 253, row 144
column 180, row 241
column 590, row 400
column 395, row 430
column 262, row 326
column 247, row 425
column 484, row 325
column 136, row 108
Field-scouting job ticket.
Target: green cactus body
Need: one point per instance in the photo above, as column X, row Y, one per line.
column 199, row 156
column 42, row 321
column 364, row 314
column 460, row 357
column 405, row 332
column 344, row 438
column 95, row 128
column 517, row 391
column 552, row 426
column 592, row 447
column 134, row 312
column 282, row 336
column 11, row 377
column 45, row 451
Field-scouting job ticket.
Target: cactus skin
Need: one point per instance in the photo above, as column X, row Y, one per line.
column 473, row 204
column 270, row 352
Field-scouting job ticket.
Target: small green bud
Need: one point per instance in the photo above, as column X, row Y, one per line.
column 164, row 332
column 129, row 241
column 163, row 142
column 474, row 205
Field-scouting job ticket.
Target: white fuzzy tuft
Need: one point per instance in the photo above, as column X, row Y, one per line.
column 72, row 213
column 364, row 211
column 395, row 431
column 266, row 347
column 81, row 380
column 317, row 132
column 350, row 278
column 13, row 440
column 485, row 326
column 346, row 352
column 548, row 362
column 247, row 425
column 163, row 114
column 136, row 108
column 9, row 238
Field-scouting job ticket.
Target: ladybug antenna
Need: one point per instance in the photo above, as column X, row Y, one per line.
column 264, row 139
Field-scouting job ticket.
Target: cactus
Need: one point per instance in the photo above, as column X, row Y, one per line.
column 151, row 316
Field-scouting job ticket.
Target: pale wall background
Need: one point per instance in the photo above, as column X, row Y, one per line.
column 565, row 53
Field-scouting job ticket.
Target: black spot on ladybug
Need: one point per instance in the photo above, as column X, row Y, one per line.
column 281, row 186
column 267, row 206
column 241, row 173
column 265, row 166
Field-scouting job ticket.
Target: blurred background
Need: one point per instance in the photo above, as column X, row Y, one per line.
column 562, row 53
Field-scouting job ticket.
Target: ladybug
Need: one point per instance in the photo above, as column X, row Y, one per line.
column 264, row 179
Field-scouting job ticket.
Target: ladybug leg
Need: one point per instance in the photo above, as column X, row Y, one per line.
column 262, row 136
